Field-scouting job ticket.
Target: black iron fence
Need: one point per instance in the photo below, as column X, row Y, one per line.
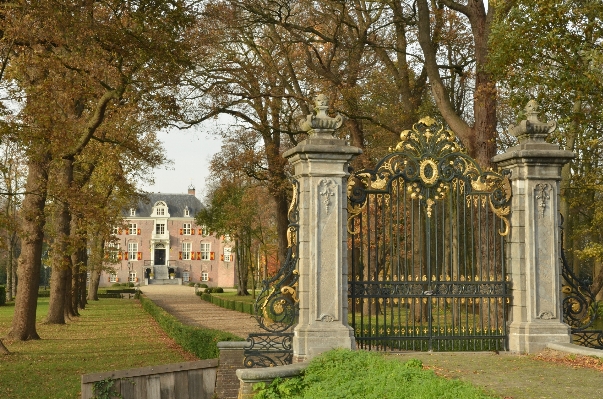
column 427, row 234
column 580, row 307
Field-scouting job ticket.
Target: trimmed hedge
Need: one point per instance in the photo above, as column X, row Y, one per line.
column 243, row 307
column 217, row 290
column 199, row 341
column 2, row 295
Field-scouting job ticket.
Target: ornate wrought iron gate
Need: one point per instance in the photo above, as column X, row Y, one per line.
column 580, row 307
column 426, row 239
column 276, row 307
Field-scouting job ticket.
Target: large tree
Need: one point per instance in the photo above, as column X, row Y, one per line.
column 550, row 50
column 79, row 65
column 477, row 127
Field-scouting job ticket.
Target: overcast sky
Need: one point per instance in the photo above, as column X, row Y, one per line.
column 190, row 152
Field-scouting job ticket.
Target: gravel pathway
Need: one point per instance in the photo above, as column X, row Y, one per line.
column 181, row 302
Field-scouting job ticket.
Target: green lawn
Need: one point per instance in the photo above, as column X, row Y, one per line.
column 110, row 334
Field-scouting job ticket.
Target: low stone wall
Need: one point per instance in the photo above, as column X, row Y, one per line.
column 249, row 377
column 172, row 381
column 231, row 359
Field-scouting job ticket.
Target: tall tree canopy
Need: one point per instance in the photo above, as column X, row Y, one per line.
column 102, row 72
column 551, row 51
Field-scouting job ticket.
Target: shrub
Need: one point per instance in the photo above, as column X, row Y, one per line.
column 130, row 284
column 199, row 341
column 218, row 290
column 2, row 295
column 191, row 283
column 335, row 375
column 116, row 285
column 203, row 285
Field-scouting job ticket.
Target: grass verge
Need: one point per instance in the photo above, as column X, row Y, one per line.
column 199, row 341
column 111, row 334
column 342, row 374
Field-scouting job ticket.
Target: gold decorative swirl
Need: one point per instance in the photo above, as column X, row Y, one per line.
column 354, row 211
column 293, row 204
column 503, row 214
column 434, row 168
column 286, row 290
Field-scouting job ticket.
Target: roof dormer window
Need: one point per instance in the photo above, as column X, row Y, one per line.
column 187, row 212
column 160, row 209
column 132, row 212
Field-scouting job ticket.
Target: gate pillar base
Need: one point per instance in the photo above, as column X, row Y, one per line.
column 532, row 337
column 312, row 340
column 321, row 168
column 534, row 243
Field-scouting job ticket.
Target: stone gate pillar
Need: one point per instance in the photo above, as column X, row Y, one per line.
column 320, row 166
column 534, row 248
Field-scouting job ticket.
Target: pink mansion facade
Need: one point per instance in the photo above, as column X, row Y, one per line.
column 162, row 244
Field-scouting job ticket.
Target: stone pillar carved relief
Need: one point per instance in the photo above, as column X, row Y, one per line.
column 327, row 189
column 534, row 246
column 542, row 191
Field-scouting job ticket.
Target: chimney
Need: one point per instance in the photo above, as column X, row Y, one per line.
column 191, row 190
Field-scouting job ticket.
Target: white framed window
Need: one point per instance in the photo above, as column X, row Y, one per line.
column 113, row 278
column 113, row 250
column 132, row 277
column 186, row 229
column 88, row 274
column 187, row 212
column 227, row 254
column 204, row 276
column 204, row 231
column 132, row 212
column 115, row 230
column 205, row 251
column 132, row 251
column 160, row 211
column 186, row 277
column 186, row 251
column 160, row 228
column 133, row 228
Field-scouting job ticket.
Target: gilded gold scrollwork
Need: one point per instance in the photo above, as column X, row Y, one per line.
column 286, row 290
column 429, row 180
column 503, row 214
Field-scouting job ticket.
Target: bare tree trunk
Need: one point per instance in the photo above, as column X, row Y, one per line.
column 597, row 284
column 243, row 263
column 78, row 261
column 78, row 285
column 61, row 258
column 282, row 223
column 479, row 139
column 95, row 264
column 32, row 235
column 9, row 271
column 68, row 310
column 82, row 302
column 93, row 285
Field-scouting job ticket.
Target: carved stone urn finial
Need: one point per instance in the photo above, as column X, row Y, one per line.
column 321, row 124
column 531, row 129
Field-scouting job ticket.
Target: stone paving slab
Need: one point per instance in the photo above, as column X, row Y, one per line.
column 181, row 302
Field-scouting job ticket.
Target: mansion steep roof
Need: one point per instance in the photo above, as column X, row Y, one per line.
column 176, row 203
